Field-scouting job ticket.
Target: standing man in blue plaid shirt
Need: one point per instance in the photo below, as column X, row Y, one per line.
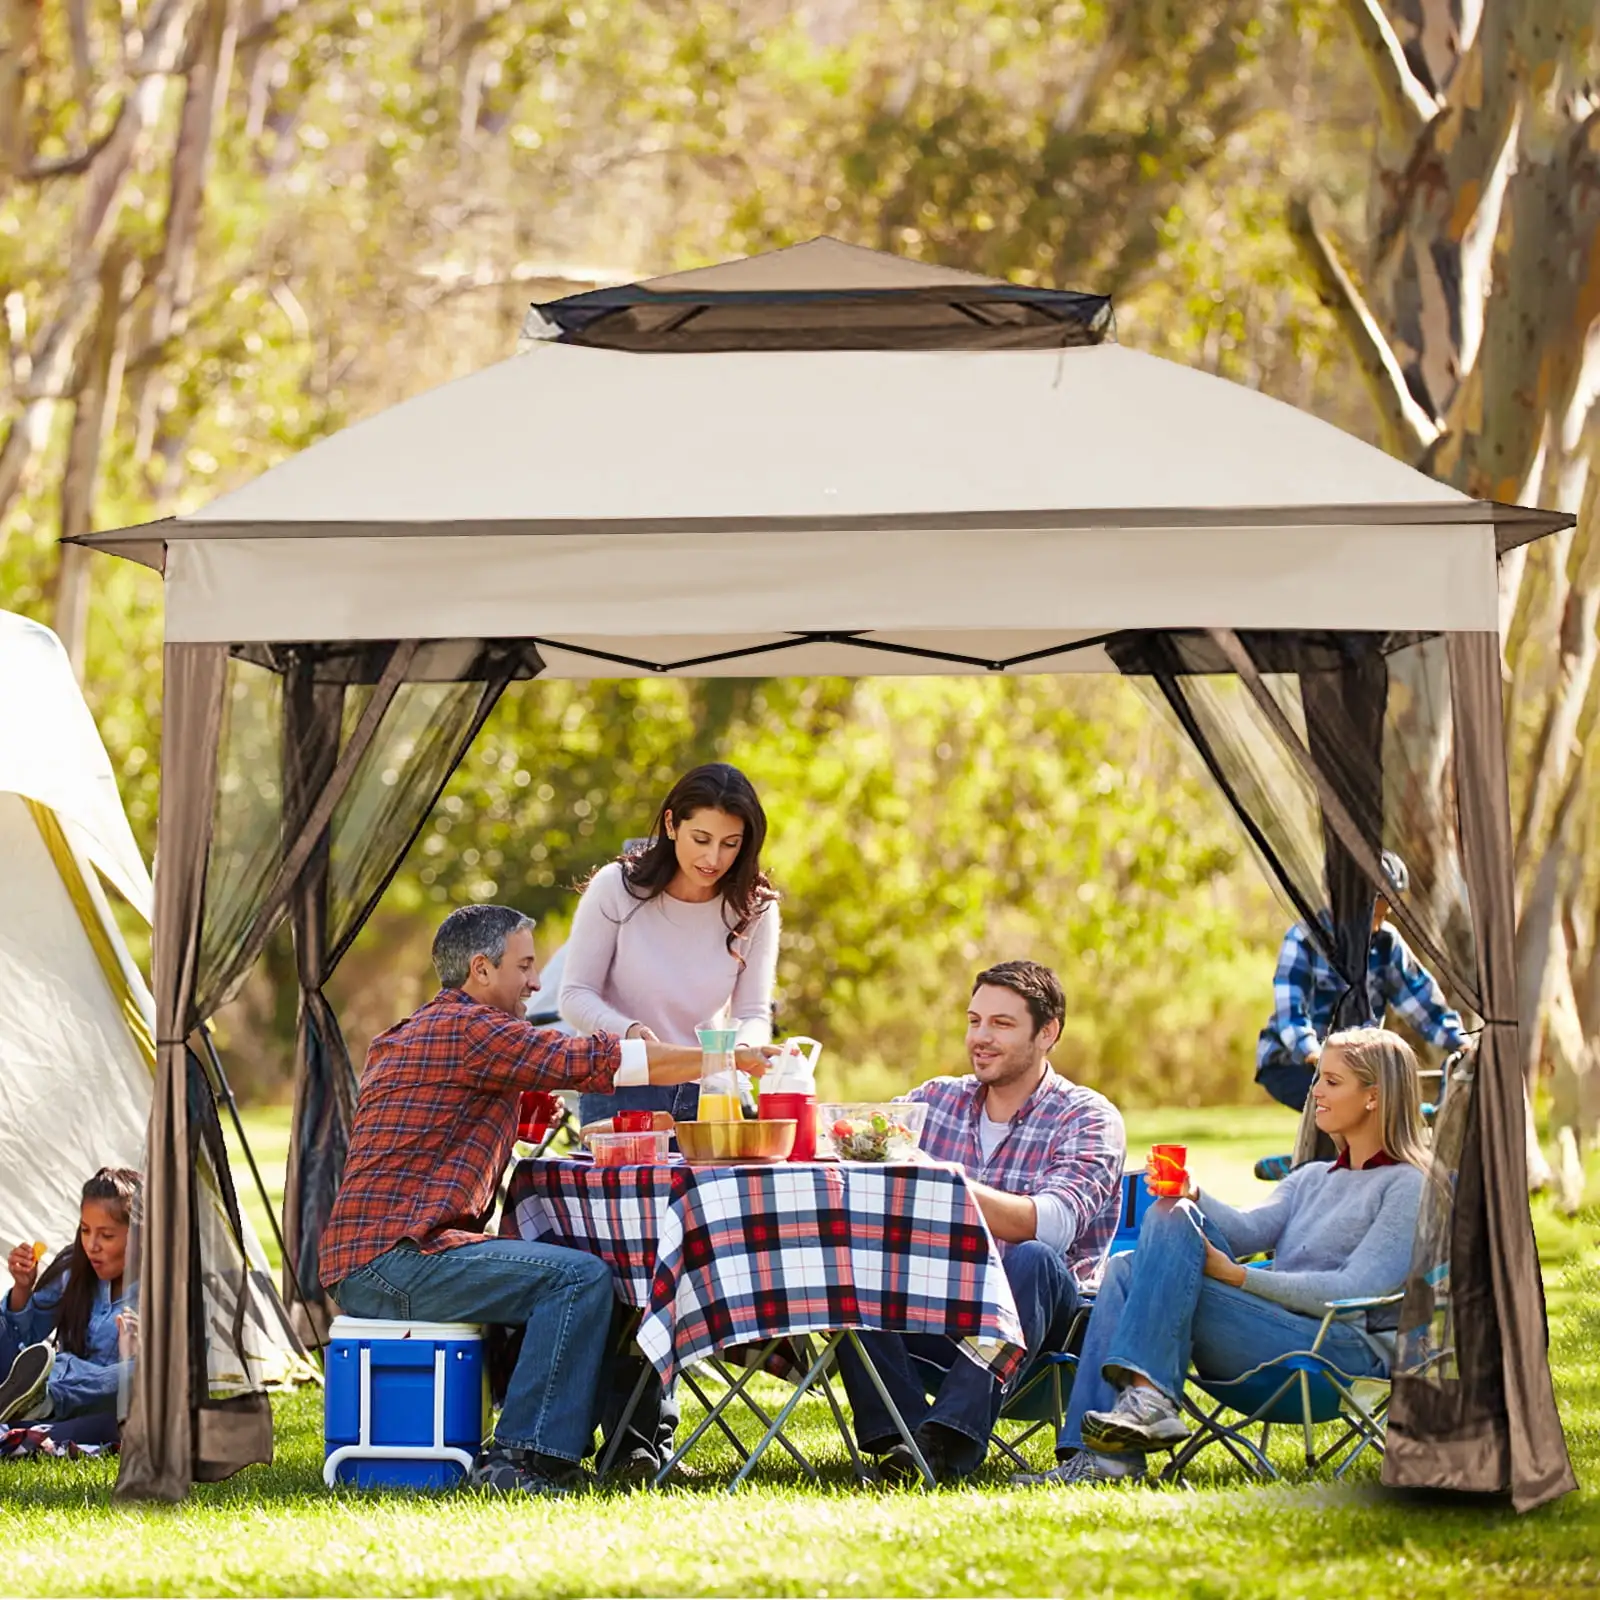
column 1306, row 990
column 1043, row 1158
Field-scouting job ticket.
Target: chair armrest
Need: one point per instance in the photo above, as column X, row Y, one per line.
column 1367, row 1302
column 1345, row 1308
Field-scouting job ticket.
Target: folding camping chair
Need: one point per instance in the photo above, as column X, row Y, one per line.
column 1136, row 1203
column 1041, row 1400
column 1300, row 1388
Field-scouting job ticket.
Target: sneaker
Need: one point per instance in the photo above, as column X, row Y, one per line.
column 1079, row 1467
column 939, row 1445
column 22, row 1390
column 569, row 1477
column 634, row 1467
column 899, row 1466
column 1142, row 1419
column 1274, row 1169
column 505, row 1471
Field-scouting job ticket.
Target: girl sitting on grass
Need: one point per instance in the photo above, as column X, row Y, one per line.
column 66, row 1337
column 1338, row 1230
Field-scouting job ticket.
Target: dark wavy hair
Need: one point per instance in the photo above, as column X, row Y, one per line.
column 745, row 889
column 117, row 1188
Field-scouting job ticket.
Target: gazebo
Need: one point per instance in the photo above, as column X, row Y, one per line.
column 829, row 461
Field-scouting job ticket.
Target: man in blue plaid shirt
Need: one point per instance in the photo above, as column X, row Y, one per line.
column 1306, row 989
column 1043, row 1158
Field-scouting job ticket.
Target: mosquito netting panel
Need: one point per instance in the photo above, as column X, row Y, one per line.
column 1336, row 754
column 329, row 759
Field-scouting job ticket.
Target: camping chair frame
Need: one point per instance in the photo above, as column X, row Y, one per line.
column 1057, row 1368
column 1362, row 1422
column 1053, row 1376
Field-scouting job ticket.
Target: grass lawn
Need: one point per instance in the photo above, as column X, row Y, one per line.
column 275, row 1530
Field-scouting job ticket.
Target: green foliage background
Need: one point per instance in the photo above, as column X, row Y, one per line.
column 390, row 185
column 919, row 829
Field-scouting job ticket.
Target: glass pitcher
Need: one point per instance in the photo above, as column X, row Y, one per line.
column 719, row 1077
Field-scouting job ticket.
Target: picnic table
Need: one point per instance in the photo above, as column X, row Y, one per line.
column 762, row 1258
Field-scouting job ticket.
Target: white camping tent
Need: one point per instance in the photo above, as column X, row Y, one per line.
column 77, row 1023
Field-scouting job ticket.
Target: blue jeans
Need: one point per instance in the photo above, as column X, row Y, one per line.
column 79, row 1387
column 655, row 1419
column 681, row 1099
column 967, row 1400
column 561, row 1298
column 1157, row 1314
column 1288, row 1081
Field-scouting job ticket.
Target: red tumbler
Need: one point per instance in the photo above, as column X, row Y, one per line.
column 1171, row 1172
column 538, row 1109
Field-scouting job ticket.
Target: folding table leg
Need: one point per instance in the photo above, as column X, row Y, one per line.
column 627, row 1333
column 846, row 1432
column 712, row 1409
column 714, row 1415
column 764, row 1417
column 775, row 1429
column 894, row 1411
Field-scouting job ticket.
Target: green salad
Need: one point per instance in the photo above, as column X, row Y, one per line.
column 872, row 1138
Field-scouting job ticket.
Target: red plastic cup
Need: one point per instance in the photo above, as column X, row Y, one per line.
column 538, row 1109
column 633, row 1122
column 1171, row 1164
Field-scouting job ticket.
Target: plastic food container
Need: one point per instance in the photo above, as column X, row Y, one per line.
column 628, row 1149
column 871, row 1131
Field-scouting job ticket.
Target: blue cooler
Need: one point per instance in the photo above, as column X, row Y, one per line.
column 406, row 1404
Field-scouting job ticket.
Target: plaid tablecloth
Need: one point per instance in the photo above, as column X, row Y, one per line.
column 721, row 1256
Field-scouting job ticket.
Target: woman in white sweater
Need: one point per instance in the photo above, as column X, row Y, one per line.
column 1338, row 1230
column 681, row 934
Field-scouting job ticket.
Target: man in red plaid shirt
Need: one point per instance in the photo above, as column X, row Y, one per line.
column 435, row 1123
column 1043, row 1158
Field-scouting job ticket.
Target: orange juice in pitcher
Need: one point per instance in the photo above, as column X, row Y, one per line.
column 719, row 1108
column 719, row 1078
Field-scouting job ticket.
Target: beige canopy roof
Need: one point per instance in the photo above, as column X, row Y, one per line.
column 828, row 478
column 982, row 505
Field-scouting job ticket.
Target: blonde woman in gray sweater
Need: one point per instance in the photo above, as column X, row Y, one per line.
column 1338, row 1230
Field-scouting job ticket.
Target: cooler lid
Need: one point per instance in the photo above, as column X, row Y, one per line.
column 369, row 1328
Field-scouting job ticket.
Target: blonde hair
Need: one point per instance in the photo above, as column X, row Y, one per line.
column 1384, row 1061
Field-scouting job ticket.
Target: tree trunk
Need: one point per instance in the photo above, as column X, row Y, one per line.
column 204, row 93
column 1488, row 178
column 93, row 411
column 102, row 188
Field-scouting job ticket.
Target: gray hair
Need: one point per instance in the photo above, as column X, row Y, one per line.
column 473, row 931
